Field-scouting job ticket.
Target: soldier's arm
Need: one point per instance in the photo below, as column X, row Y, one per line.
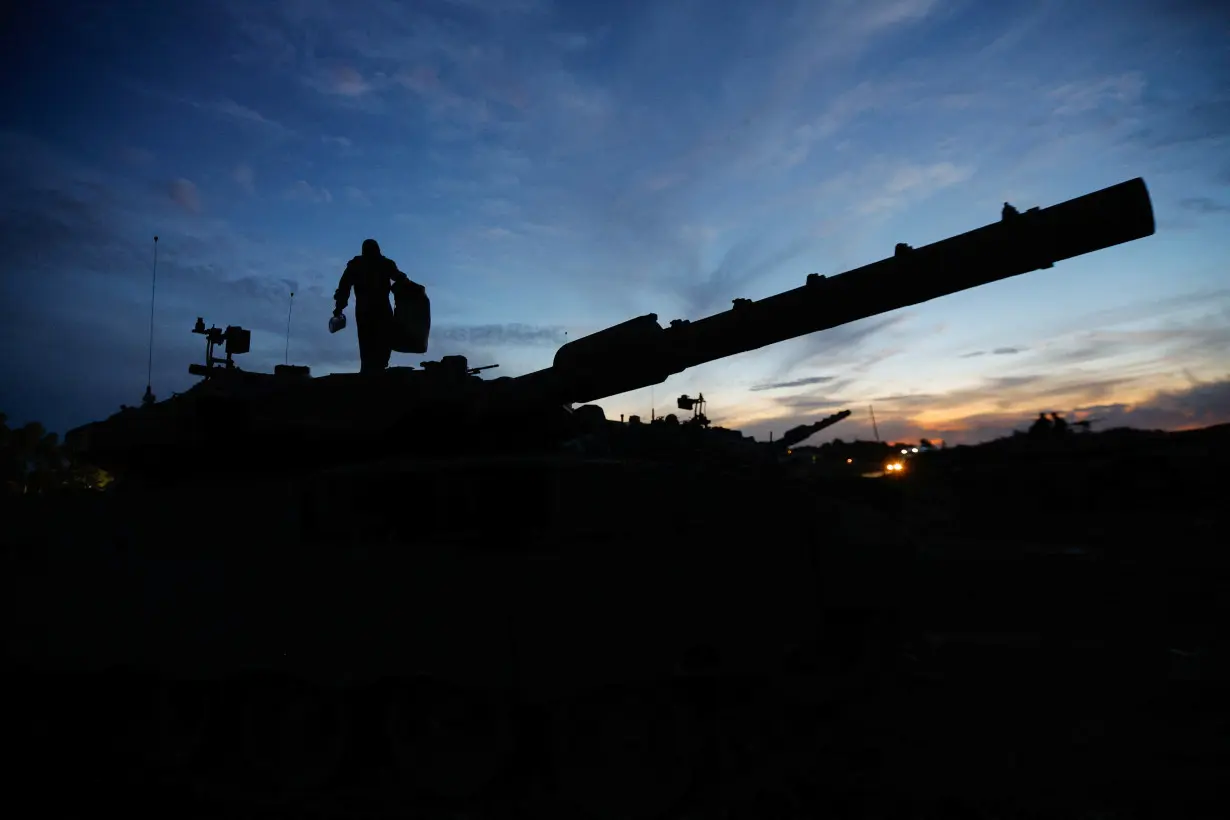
column 341, row 297
column 395, row 274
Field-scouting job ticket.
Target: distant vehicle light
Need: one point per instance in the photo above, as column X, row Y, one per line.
column 913, row 449
column 905, row 452
column 849, row 461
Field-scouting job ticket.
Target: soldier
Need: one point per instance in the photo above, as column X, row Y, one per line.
column 371, row 275
column 1042, row 427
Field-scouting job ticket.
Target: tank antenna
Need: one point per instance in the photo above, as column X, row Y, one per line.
column 286, row 356
column 149, row 368
column 876, row 429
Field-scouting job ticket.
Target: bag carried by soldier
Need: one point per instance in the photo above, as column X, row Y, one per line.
column 411, row 318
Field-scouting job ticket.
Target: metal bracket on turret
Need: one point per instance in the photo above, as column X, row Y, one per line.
column 740, row 303
column 237, row 340
column 815, row 278
column 902, row 253
column 1042, row 262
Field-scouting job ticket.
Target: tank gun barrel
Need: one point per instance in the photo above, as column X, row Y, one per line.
column 640, row 352
column 796, row 435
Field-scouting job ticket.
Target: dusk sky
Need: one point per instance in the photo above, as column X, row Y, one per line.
column 548, row 169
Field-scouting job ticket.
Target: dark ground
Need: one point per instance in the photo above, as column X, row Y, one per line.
column 1006, row 631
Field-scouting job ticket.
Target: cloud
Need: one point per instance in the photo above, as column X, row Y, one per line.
column 843, row 341
column 571, row 41
column 303, row 191
column 232, row 109
column 244, row 178
column 345, row 145
column 140, row 157
column 743, row 263
column 908, row 182
column 1090, row 95
column 1172, row 339
column 356, row 196
column 999, row 351
column 343, row 80
column 508, row 112
column 498, row 7
column 505, row 335
column 1204, row 205
column 794, row 383
column 183, row 192
column 224, row 108
column 1200, row 405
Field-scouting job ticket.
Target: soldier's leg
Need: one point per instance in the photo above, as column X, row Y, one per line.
column 381, row 349
column 369, row 349
column 374, row 350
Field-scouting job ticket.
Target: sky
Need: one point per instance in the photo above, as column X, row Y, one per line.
column 548, row 169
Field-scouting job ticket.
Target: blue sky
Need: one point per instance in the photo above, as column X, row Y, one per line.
column 549, row 169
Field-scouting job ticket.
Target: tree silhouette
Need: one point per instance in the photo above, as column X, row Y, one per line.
column 33, row 461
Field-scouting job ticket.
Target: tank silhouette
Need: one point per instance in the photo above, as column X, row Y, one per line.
column 378, row 565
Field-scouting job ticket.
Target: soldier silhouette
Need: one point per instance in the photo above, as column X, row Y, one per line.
column 1041, row 427
column 371, row 275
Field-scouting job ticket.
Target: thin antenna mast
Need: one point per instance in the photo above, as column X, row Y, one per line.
column 286, row 356
column 149, row 369
column 873, row 422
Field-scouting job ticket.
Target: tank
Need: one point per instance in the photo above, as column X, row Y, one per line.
column 428, row 587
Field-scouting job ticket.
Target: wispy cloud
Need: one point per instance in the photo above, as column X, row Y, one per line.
column 356, row 196
column 344, row 145
column 224, row 108
column 488, row 336
column 184, row 193
column 140, row 157
column 1090, row 95
column 846, row 341
column 908, row 181
column 999, row 351
column 244, row 178
column 571, row 41
column 1204, row 205
column 343, row 80
column 794, row 383
column 304, row 191
column 496, row 7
